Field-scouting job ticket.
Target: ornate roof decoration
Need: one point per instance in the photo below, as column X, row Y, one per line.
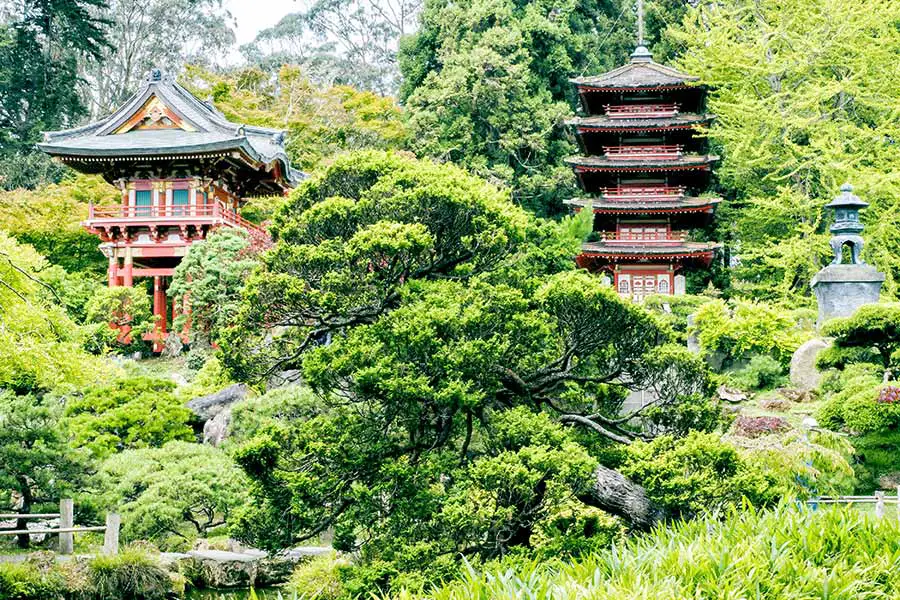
column 641, row 72
column 163, row 119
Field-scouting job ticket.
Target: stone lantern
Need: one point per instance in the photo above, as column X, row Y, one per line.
column 841, row 287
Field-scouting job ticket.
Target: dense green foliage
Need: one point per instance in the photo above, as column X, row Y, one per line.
column 41, row 43
column 871, row 335
column 136, row 412
column 486, row 84
column 37, row 464
column 130, row 575
column 805, row 97
column 173, row 494
column 839, row 554
column 40, row 346
column 743, row 329
column 320, row 121
column 209, row 280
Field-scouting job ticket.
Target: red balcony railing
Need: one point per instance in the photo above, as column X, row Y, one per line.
column 213, row 214
column 668, row 152
column 643, row 237
column 637, row 193
column 641, row 111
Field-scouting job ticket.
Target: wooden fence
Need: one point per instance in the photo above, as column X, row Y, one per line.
column 67, row 528
column 879, row 500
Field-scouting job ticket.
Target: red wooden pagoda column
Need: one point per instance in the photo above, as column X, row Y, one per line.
column 159, row 311
column 127, row 268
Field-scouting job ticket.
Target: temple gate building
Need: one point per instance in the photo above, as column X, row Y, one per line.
column 183, row 170
column 643, row 169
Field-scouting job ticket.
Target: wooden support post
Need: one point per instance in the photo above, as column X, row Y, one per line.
column 113, row 275
column 111, row 537
column 879, row 504
column 128, row 268
column 66, row 521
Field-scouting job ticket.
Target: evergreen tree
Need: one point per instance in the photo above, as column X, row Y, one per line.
column 41, row 43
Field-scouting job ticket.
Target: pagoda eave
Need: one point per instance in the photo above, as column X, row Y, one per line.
column 598, row 255
column 675, row 206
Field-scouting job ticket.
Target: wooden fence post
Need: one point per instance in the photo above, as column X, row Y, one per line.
column 879, row 504
column 66, row 521
column 111, row 536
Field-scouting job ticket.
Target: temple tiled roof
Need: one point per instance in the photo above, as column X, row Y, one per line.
column 199, row 128
column 685, row 204
column 604, row 122
column 603, row 163
column 641, row 72
column 649, row 248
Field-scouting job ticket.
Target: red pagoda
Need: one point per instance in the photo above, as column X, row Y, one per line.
column 183, row 170
column 642, row 169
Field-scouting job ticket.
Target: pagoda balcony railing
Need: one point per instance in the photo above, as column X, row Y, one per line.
column 641, row 111
column 636, row 193
column 212, row 214
column 648, row 238
column 666, row 152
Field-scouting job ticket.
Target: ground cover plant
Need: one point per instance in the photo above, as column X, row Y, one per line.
column 840, row 554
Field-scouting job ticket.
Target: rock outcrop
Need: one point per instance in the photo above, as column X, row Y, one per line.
column 804, row 375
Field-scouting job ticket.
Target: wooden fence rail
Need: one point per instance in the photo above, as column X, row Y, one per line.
column 878, row 499
column 67, row 528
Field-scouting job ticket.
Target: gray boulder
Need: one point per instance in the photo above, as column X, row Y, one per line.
column 219, row 569
column 216, row 429
column 173, row 347
column 804, row 375
column 207, row 407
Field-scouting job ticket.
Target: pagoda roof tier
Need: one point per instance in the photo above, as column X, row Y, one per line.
column 682, row 162
column 163, row 121
column 676, row 205
column 641, row 73
column 605, row 123
column 622, row 251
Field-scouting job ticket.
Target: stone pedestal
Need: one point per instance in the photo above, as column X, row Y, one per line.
column 841, row 289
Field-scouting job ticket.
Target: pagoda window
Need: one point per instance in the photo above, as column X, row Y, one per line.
column 624, row 286
column 662, row 286
column 180, row 201
column 143, row 203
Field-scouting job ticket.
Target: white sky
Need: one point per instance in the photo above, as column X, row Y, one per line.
column 253, row 16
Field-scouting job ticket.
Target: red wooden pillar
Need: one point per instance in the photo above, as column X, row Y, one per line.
column 159, row 311
column 128, row 265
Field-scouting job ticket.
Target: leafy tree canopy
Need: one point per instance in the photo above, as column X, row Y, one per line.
column 870, row 335
column 805, row 97
column 173, row 494
column 487, row 85
column 40, row 346
column 136, row 412
column 321, row 120
column 468, row 377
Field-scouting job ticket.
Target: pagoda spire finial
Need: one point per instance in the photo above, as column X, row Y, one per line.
column 640, row 22
column 641, row 54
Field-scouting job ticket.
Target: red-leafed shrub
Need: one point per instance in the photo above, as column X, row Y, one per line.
column 757, row 426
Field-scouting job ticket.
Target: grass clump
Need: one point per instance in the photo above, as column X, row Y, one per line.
column 839, row 554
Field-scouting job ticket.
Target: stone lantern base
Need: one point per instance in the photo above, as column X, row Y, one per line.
column 841, row 289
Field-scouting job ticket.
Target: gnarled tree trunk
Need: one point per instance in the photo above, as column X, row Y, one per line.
column 613, row 492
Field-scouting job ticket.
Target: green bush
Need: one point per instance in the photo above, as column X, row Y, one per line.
column 319, row 579
column 174, row 494
column 874, row 328
column 697, row 473
column 740, row 330
column 137, row 412
column 761, row 372
column 855, row 406
column 129, row 575
column 26, row 582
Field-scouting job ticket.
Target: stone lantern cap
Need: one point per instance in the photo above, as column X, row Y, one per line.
column 847, row 199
